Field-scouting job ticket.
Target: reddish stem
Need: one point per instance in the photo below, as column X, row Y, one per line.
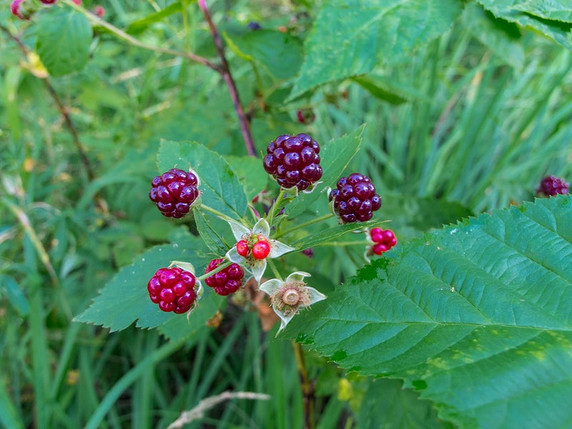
column 228, row 79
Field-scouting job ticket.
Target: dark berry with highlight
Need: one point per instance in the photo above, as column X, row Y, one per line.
column 173, row 289
column 226, row 281
column 294, row 161
column 354, row 198
column 553, row 185
column 174, row 192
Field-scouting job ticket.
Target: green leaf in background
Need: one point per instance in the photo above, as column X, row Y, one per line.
column 139, row 26
column 250, row 172
column 380, row 89
column 219, row 185
column 551, row 18
column 386, row 405
column 498, row 35
column 125, row 299
column 16, row 297
column 63, row 41
column 335, row 157
column 475, row 316
column 350, row 38
column 280, row 54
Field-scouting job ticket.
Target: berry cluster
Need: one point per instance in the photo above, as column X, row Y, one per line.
column 383, row 240
column 174, row 192
column 226, row 281
column 257, row 246
column 552, row 185
column 173, row 289
column 355, row 198
column 294, row 161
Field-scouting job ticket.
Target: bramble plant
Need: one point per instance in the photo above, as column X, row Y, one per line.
column 193, row 214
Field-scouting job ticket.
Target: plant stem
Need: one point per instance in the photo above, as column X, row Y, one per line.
column 345, row 243
column 216, row 270
column 272, row 211
column 228, row 79
column 307, row 386
column 137, row 43
column 305, row 224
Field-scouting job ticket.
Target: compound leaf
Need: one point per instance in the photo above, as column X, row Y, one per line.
column 476, row 317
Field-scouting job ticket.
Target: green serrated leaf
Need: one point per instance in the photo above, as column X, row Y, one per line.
column 556, row 10
column 139, row 26
column 476, row 317
column 125, row 299
column 350, row 38
column 335, row 157
column 63, row 41
column 524, row 15
column 209, row 234
column 280, row 54
column 498, row 35
column 250, row 173
column 220, row 187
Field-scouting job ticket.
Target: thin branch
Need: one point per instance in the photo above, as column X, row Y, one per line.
column 137, row 43
column 210, row 402
column 228, row 79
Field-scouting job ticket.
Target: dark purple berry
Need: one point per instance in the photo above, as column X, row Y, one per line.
column 354, row 198
column 174, row 192
column 226, row 281
column 294, row 161
column 173, row 289
column 552, row 185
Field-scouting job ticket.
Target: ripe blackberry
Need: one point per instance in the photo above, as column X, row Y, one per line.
column 552, row 185
column 294, row 161
column 173, row 289
column 226, row 281
column 355, row 199
column 174, row 192
column 383, row 240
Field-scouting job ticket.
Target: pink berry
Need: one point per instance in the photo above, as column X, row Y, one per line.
column 99, row 11
column 261, row 249
column 376, row 235
column 552, row 185
column 379, row 248
column 48, row 1
column 172, row 289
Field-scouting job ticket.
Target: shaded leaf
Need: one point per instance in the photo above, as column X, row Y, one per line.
column 475, row 316
column 557, row 10
column 350, row 38
column 379, row 89
column 63, row 41
column 511, row 11
column 250, row 173
column 139, row 26
column 219, row 185
column 209, row 234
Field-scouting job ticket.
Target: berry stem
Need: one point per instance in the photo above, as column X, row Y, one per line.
column 306, row 385
column 216, row 270
column 274, row 269
column 275, row 206
column 221, row 215
column 345, row 243
column 228, row 79
column 305, row 224
column 134, row 42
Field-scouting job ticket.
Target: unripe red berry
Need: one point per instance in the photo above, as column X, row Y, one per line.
column 379, row 248
column 242, row 248
column 261, row 249
column 99, row 11
column 173, row 289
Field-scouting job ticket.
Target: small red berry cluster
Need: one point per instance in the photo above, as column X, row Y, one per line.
column 383, row 240
column 552, row 185
column 173, row 289
column 256, row 246
column 226, row 281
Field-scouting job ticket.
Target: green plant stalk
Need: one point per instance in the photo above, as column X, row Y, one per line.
column 222, row 215
column 275, row 206
column 307, row 386
column 216, row 270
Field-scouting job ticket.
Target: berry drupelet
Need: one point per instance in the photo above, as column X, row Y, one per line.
column 226, row 281
column 552, row 185
column 355, row 199
column 294, row 161
column 173, row 289
column 174, row 192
